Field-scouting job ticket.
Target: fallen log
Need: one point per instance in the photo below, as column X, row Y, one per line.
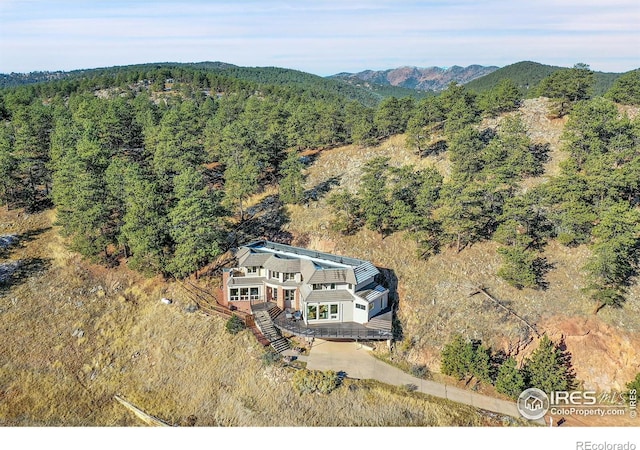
column 146, row 418
column 482, row 290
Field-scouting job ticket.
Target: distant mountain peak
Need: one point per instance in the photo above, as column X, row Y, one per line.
column 421, row 78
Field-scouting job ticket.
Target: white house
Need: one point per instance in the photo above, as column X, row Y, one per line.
column 321, row 288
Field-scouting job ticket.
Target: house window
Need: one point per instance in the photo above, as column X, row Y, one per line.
column 323, row 312
column 244, row 293
column 349, row 286
column 312, row 312
column 333, row 311
column 253, row 292
column 275, row 275
column 252, row 270
column 233, row 294
column 362, row 307
column 371, row 305
column 288, row 276
column 332, row 286
column 317, row 287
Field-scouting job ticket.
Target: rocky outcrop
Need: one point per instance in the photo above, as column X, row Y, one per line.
column 602, row 357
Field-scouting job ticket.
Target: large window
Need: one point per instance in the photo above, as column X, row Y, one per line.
column 362, row 307
column 323, row 311
column 312, row 312
column 244, row 294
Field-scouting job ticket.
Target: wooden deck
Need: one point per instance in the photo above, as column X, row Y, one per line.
column 379, row 328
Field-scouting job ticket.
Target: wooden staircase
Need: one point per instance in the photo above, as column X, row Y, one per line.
column 264, row 321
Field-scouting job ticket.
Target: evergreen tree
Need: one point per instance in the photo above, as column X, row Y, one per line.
column 241, row 179
column 626, row 88
column 504, row 97
column 194, row 224
column 291, row 185
column 565, row 87
column 347, row 215
column 144, row 231
column 519, row 267
column 375, row 194
column 8, row 166
column 457, row 358
column 548, row 368
column 509, row 380
column 426, row 120
column 615, row 255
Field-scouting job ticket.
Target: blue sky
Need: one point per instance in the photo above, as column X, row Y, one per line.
column 322, row 37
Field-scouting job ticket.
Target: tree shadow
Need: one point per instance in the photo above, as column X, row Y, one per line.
column 321, row 189
column 10, row 241
column 388, row 279
column 265, row 223
column 540, row 153
column 14, row 273
column 434, row 149
column 541, row 267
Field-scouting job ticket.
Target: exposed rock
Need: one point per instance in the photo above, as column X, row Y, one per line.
column 602, row 356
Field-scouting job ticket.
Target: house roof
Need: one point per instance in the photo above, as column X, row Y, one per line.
column 283, row 264
column 316, row 267
column 372, row 292
column 333, row 295
column 247, row 257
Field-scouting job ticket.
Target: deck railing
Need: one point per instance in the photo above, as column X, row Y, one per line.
column 336, row 332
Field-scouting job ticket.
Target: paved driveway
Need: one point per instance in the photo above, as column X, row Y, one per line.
column 357, row 362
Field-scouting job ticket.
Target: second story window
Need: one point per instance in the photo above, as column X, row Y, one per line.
column 275, row 275
column 288, row 276
column 252, row 270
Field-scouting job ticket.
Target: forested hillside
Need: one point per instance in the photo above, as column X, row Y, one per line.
column 158, row 169
column 527, row 75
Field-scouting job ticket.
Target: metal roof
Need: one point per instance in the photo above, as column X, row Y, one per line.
column 372, row 292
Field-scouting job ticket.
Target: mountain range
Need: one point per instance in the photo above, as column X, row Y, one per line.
column 420, row 78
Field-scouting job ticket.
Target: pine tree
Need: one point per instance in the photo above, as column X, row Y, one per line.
column 241, row 179
column 375, row 195
column 195, row 224
column 565, row 87
column 457, row 358
column 509, row 380
column 291, row 185
column 144, row 231
column 548, row 368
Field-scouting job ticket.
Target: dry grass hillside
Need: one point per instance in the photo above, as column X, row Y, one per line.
column 75, row 334
column 434, row 300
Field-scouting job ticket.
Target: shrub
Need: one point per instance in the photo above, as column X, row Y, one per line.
column 270, row 358
column 420, row 371
column 310, row 381
column 235, row 325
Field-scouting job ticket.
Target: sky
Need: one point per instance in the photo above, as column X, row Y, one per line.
column 323, row 37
